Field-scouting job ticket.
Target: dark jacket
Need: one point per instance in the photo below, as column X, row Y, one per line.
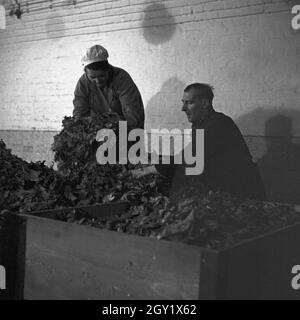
column 228, row 164
column 122, row 97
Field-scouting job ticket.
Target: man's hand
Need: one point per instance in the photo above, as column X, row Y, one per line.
column 138, row 173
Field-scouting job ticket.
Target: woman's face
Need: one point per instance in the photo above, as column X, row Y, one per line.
column 99, row 77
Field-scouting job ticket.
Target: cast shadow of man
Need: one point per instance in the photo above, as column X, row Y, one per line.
column 276, row 150
column 280, row 166
column 164, row 108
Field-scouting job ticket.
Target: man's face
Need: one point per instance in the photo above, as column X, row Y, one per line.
column 99, row 77
column 194, row 106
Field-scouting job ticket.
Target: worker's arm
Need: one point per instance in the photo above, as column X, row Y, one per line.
column 131, row 101
column 167, row 170
column 141, row 172
column 81, row 99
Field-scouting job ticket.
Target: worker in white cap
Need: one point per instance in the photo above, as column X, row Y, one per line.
column 105, row 88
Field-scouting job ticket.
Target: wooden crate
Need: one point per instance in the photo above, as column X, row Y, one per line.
column 67, row 261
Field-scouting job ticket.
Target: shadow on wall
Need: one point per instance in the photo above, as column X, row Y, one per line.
column 159, row 26
column 55, row 26
column 164, row 108
column 277, row 153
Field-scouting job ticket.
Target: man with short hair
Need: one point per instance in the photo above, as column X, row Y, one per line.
column 105, row 88
column 228, row 164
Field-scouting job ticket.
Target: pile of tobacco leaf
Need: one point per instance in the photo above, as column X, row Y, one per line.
column 75, row 146
column 215, row 220
column 88, row 182
column 26, row 187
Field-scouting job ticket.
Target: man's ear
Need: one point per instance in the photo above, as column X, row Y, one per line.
column 205, row 103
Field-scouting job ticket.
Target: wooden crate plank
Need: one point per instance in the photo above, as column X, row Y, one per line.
column 68, row 261
column 209, row 271
column 94, row 211
column 261, row 268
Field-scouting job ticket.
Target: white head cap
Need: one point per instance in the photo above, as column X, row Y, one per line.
column 95, row 53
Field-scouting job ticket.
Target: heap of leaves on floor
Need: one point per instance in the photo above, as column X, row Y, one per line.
column 27, row 186
column 218, row 220
column 143, row 214
column 215, row 220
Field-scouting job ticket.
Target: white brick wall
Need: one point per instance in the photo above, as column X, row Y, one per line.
column 245, row 48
